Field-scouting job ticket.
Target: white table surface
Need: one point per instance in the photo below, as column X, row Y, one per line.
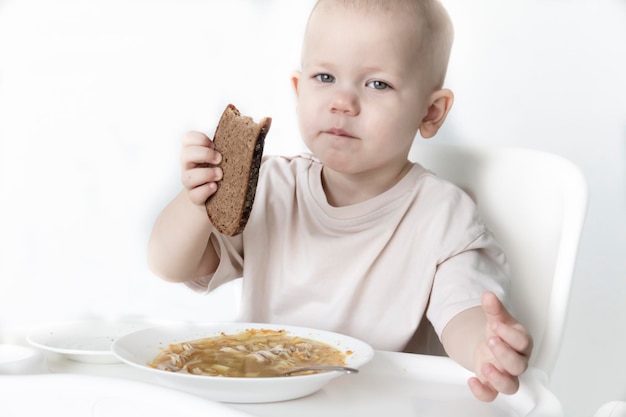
column 392, row 384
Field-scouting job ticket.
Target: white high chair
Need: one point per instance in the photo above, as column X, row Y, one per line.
column 535, row 203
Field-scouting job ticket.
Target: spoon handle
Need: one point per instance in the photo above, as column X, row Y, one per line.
column 345, row 369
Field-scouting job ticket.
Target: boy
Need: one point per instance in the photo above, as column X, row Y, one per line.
column 355, row 238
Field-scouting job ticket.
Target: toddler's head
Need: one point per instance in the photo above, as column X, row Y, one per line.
column 372, row 77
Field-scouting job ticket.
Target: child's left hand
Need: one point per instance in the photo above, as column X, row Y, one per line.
column 503, row 355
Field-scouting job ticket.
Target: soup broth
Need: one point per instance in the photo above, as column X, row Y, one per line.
column 251, row 353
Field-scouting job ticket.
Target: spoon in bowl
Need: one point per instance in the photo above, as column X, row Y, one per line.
column 338, row 368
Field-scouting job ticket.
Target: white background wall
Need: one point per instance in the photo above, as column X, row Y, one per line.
column 94, row 96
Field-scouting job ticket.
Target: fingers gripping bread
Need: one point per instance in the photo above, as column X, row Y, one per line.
column 240, row 141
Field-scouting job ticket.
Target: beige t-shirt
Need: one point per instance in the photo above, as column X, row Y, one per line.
column 369, row 270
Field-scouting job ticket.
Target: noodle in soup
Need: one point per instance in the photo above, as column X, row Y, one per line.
column 251, row 353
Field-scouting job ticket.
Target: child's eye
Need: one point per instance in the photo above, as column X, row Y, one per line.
column 325, row 78
column 378, row 85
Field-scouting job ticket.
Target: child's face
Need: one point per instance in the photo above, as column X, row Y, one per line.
column 360, row 95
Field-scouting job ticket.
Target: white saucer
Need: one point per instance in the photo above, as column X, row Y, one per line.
column 86, row 341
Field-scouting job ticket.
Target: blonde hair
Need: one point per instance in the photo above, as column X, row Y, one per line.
column 434, row 36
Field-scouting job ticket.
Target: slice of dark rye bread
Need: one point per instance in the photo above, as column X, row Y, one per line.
column 240, row 140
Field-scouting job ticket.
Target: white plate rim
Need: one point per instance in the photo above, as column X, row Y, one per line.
column 57, row 336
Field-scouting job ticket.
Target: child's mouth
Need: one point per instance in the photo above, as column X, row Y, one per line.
column 338, row 132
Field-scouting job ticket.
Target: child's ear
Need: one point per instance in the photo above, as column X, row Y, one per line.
column 295, row 80
column 440, row 104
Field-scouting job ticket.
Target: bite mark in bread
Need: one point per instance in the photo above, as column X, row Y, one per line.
column 240, row 140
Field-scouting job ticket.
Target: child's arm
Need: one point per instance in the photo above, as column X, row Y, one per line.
column 491, row 343
column 179, row 248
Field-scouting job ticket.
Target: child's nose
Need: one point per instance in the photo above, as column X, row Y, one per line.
column 345, row 101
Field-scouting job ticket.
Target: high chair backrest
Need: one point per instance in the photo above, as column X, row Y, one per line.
column 535, row 203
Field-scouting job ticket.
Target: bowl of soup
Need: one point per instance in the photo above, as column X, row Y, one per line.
column 240, row 362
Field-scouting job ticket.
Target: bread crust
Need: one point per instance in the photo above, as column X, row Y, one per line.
column 240, row 141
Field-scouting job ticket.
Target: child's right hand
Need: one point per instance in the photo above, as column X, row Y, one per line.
column 200, row 171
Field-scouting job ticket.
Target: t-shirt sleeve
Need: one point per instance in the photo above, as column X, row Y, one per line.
column 461, row 280
column 229, row 250
column 470, row 261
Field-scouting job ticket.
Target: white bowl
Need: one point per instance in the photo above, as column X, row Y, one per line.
column 139, row 348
